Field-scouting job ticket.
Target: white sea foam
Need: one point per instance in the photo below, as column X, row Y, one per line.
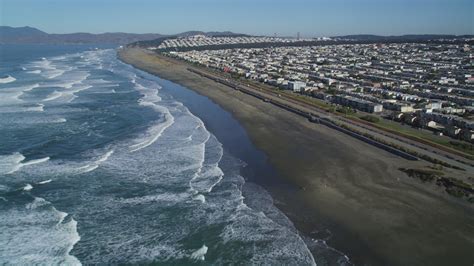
column 200, row 198
column 11, row 96
column 108, row 85
column 55, row 73
column 87, row 168
column 209, row 174
column 95, row 164
column 48, row 69
column 12, row 163
column 7, row 79
column 150, row 99
column 31, row 87
column 200, row 253
column 201, row 164
column 163, row 171
column 45, row 182
column 53, row 96
column 105, row 157
column 59, row 120
column 27, row 187
column 37, row 234
column 163, row 198
column 9, row 163
column 37, row 108
column 72, row 94
column 153, row 133
column 42, row 160
column 34, row 71
column 71, row 79
column 37, row 202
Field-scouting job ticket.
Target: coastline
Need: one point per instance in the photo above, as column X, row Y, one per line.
column 377, row 214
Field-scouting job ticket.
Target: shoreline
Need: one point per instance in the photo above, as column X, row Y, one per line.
column 375, row 213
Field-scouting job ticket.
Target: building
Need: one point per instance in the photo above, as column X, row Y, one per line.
column 358, row 104
column 296, row 86
column 397, row 106
column 468, row 135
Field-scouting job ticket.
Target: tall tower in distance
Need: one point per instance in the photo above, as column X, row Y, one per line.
column 298, row 35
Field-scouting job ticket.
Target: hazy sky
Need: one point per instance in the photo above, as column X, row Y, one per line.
column 284, row 17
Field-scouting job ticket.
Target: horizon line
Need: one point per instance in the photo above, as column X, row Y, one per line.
column 265, row 35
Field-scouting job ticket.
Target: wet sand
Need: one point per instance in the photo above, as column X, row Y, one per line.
column 375, row 213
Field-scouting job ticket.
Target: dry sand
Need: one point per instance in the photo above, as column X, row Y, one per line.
column 376, row 214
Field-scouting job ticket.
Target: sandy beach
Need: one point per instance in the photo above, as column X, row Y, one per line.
column 375, row 213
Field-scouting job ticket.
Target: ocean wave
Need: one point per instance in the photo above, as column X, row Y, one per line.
column 9, row 97
column 37, row 234
column 34, row 71
column 258, row 220
column 200, row 198
column 9, row 163
column 59, row 120
column 53, row 96
column 12, row 95
column 200, row 253
column 32, row 162
column 95, row 164
column 7, row 79
column 12, row 163
column 27, row 187
column 31, row 87
column 48, row 69
column 165, row 199
column 54, row 73
column 87, row 168
column 150, row 99
column 37, row 108
column 72, row 79
column 72, row 94
column 209, row 173
column 183, row 174
column 153, row 133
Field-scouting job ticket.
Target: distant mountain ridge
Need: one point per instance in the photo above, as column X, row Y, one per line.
column 25, row 35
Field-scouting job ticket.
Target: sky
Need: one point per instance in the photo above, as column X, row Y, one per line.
column 312, row 18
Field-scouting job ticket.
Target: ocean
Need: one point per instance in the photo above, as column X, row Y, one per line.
column 101, row 163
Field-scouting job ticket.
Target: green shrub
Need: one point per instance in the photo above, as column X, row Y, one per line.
column 370, row 118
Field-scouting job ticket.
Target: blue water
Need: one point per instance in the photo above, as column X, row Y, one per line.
column 103, row 164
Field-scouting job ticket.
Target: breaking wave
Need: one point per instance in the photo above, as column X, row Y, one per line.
column 7, row 79
column 143, row 177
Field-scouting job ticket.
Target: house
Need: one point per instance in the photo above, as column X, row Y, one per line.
column 452, row 131
column 362, row 105
column 467, row 135
column 296, row 86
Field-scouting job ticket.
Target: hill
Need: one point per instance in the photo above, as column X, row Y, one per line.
column 24, row 35
column 158, row 41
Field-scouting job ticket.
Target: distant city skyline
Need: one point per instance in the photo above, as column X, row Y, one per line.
column 264, row 17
